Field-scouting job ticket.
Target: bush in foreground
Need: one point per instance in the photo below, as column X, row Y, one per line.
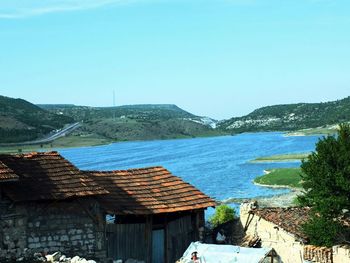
column 223, row 214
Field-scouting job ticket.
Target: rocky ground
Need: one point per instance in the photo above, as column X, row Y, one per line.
column 57, row 257
column 283, row 200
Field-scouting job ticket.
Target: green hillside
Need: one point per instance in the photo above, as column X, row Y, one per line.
column 290, row 117
column 21, row 120
column 137, row 122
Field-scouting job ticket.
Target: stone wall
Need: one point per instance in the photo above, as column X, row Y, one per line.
column 287, row 246
column 12, row 229
column 73, row 228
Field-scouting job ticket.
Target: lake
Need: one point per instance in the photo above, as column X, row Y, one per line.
column 218, row 166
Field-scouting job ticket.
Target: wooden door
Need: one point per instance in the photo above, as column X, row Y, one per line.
column 158, row 241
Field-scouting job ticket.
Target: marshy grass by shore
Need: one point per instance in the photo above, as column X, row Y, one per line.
column 289, row 157
column 280, row 177
column 277, row 178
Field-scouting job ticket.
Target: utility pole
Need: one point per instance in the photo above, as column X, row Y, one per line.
column 114, row 113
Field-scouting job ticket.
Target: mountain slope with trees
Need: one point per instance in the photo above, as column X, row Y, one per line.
column 290, row 117
column 137, row 122
column 21, row 120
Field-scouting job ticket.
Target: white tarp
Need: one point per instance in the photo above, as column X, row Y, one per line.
column 209, row 253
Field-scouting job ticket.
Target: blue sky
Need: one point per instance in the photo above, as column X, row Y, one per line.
column 219, row 58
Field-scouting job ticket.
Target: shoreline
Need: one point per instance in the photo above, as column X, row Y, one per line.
column 79, row 143
column 96, row 140
column 276, row 161
column 278, row 200
column 281, row 158
column 282, row 200
column 278, row 186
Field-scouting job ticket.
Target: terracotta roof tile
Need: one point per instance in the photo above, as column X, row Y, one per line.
column 290, row 219
column 6, row 174
column 150, row 190
column 47, row 176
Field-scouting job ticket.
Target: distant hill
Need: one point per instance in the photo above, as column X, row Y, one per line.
column 21, row 120
column 137, row 122
column 141, row 111
column 290, row 117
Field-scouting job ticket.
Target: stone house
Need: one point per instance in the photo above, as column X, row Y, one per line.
column 48, row 205
column 280, row 229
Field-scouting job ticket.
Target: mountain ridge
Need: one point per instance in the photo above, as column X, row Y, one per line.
column 290, row 117
column 138, row 122
column 21, row 120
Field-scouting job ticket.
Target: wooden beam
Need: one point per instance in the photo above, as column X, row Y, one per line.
column 249, row 220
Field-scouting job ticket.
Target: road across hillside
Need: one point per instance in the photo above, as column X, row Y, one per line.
column 50, row 138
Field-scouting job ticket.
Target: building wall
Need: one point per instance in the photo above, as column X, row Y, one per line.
column 289, row 250
column 12, row 229
column 285, row 244
column 180, row 233
column 132, row 237
column 127, row 241
column 74, row 228
column 341, row 254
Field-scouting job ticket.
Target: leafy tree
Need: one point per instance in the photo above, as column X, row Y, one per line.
column 223, row 214
column 326, row 180
column 322, row 231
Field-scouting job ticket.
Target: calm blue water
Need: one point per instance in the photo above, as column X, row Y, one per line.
column 218, row 166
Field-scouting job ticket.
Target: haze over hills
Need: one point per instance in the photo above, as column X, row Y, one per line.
column 21, row 120
column 290, row 117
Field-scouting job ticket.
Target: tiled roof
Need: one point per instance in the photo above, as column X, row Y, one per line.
column 151, row 190
column 47, row 176
column 290, row 219
column 6, row 174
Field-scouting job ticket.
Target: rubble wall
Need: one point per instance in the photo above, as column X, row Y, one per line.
column 69, row 227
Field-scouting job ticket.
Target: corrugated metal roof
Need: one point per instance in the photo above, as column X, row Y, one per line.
column 47, row 176
column 150, row 190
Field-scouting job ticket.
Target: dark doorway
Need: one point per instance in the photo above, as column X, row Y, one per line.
column 158, row 252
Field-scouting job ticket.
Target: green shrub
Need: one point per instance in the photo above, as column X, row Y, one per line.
column 326, row 181
column 322, row 231
column 223, row 214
